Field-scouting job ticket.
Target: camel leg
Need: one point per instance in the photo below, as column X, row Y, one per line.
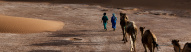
column 150, row 48
column 153, row 48
column 134, row 45
column 124, row 36
column 123, row 33
column 144, row 45
column 125, row 39
column 133, row 37
column 131, row 43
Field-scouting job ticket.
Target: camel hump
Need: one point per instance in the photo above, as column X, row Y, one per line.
column 151, row 34
column 131, row 22
column 131, row 26
column 189, row 45
column 148, row 31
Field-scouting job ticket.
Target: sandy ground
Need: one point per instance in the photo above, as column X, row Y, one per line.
column 84, row 22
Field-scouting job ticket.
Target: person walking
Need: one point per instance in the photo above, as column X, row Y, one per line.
column 113, row 21
column 104, row 19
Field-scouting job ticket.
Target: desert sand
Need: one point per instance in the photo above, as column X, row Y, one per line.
column 83, row 30
column 10, row 24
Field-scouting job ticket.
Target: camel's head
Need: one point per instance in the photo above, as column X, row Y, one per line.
column 175, row 42
column 142, row 28
column 176, row 45
column 122, row 16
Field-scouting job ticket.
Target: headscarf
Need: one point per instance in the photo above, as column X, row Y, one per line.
column 113, row 14
column 113, row 18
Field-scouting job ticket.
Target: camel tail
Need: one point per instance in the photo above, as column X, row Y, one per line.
column 155, row 42
column 135, row 34
column 154, row 39
column 134, row 30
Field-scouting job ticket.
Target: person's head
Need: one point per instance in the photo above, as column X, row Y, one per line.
column 113, row 14
column 104, row 13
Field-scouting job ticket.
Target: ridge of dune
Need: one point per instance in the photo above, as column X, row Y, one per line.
column 10, row 24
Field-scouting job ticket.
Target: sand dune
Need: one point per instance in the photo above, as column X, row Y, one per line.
column 9, row 24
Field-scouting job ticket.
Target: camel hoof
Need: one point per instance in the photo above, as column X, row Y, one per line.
column 132, row 50
column 122, row 40
column 126, row 41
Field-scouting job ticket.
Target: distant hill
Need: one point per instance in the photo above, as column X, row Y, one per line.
column 170, row 4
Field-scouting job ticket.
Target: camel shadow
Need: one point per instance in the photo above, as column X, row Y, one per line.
column 64, row 42
column 45, row 51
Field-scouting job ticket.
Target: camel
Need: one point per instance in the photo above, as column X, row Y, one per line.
column 123, row 23
column 131, row 29
column 149, row 40
column 187, row 47
column 177, row 47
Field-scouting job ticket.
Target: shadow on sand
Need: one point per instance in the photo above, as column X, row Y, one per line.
column 64, row 42
column 80, row 33
column 66, row 35
column 45, row 51
column 112, row 51
column 95, row 30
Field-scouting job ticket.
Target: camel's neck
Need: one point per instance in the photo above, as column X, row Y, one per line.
column 177, row 48
column 123, row 22
column 124, row 19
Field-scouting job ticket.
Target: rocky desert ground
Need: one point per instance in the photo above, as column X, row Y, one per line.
column 83, row 30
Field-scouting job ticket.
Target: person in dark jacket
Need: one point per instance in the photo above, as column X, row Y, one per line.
column 113, row 21
column 104, row 19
